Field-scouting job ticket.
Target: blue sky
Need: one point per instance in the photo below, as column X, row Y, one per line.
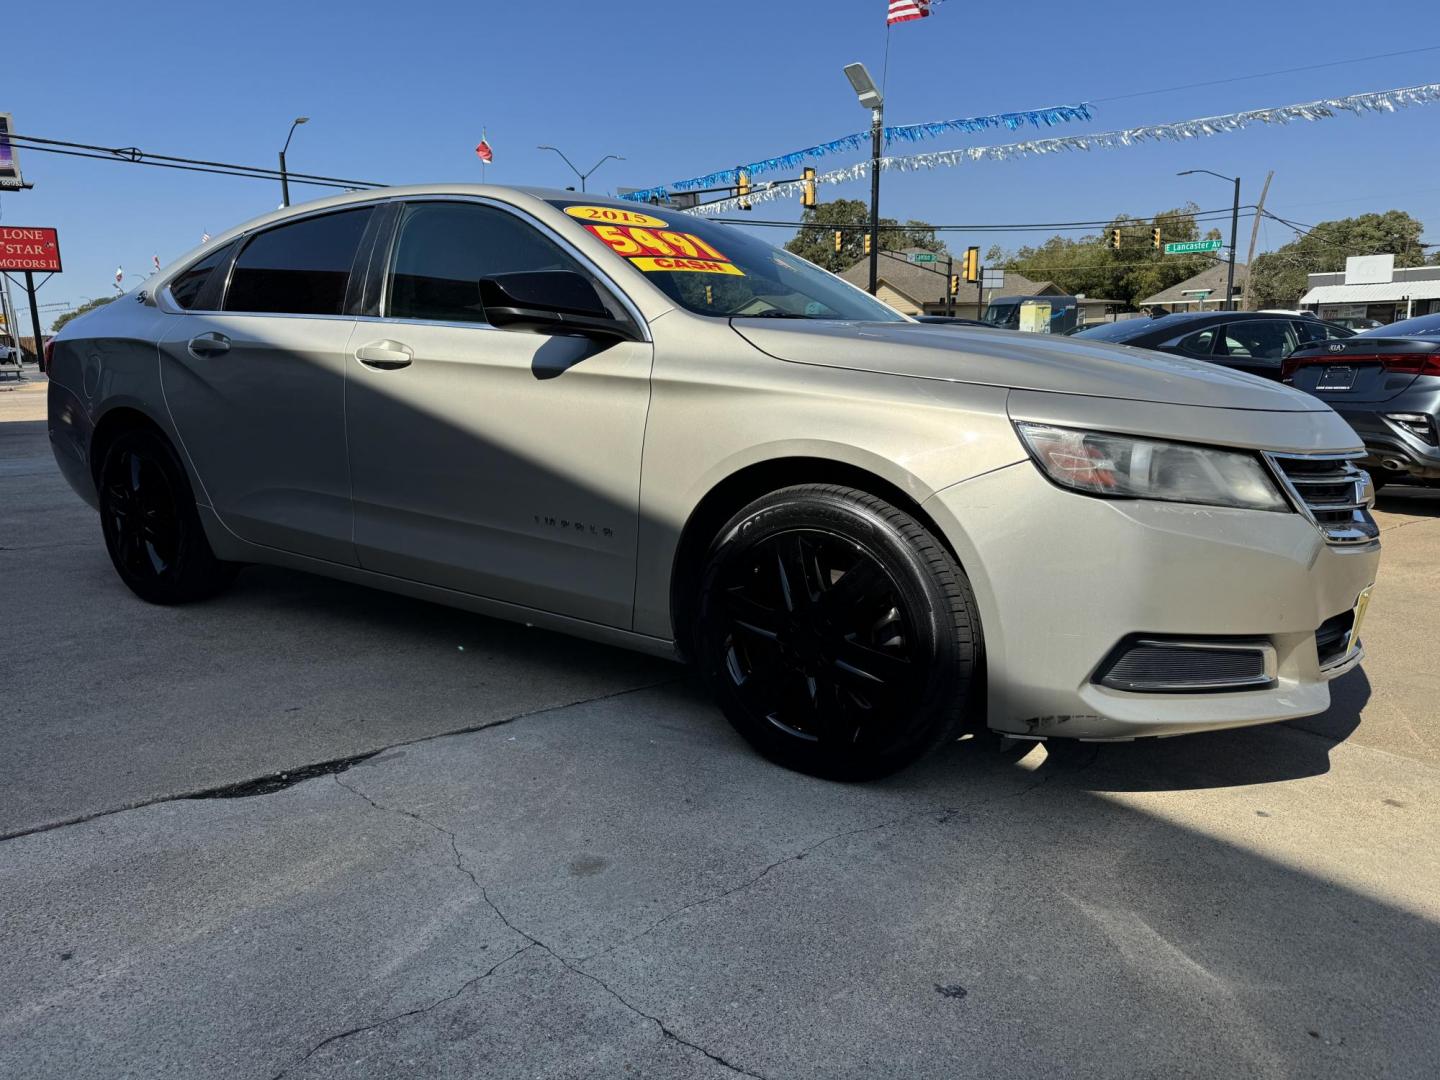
column 400, row 93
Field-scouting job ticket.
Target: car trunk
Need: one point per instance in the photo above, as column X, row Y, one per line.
column 1359, row 369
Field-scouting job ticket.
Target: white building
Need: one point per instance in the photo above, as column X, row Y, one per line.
column 1370, row 287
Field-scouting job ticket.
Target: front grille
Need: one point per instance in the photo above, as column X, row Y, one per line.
column 1161, row 665
column 1332, row 640
column 1332, row 491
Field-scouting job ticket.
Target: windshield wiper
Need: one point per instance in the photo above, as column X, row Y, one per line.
column 777, row 315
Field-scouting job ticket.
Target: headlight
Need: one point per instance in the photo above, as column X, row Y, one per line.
column 1126, row 467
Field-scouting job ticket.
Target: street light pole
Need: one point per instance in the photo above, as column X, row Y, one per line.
column 1234, row 231
column 871, row 98
column 585, row 175
column 284, row 180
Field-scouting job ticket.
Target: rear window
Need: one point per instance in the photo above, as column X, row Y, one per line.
column 1420, row 326
column 1118, row 331
column 186, row 287
column 298, row 269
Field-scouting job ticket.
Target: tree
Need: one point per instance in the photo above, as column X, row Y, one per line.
column 816, row 239
column 1090, row 265
column 89, row 305
column 1278, row 278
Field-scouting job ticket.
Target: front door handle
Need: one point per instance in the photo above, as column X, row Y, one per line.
column 209, row 345
column 385, row 355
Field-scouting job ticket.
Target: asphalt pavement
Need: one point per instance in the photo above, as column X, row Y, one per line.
column 558, row 861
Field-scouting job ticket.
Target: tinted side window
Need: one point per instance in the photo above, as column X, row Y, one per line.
column 1265, row 339
column 1198, row 344
column 186, row 287
column 444, row 249
column 300, row 269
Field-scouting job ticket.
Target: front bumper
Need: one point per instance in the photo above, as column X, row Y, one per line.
column 1061, row 578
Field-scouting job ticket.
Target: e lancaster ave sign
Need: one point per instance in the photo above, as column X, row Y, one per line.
column 33, row 249
column 1191, row 247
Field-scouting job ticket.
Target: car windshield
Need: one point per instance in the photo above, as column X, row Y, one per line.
column 716, row 269
column 1420, row 326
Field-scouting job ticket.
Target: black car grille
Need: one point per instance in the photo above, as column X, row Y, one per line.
column 1160, row 665
column 1331, row 491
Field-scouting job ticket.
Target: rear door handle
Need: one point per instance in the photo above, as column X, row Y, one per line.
column 385, row 355
column 209, row 345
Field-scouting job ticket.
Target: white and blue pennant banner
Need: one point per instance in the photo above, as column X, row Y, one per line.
column 1357, row 104
column 1058, row 114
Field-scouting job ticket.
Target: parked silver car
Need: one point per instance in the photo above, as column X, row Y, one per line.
column 654, row 430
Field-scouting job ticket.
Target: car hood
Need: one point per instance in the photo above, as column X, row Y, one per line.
column 1019, row 361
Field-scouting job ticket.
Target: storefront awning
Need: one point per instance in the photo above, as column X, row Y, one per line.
column 1380, row 293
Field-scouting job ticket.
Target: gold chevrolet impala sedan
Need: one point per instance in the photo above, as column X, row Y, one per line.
column 640, row 426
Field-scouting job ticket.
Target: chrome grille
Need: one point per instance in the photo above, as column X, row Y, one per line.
column 1332, row 491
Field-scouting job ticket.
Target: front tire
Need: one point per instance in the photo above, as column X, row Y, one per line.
column 837, row 633
column 152, row 529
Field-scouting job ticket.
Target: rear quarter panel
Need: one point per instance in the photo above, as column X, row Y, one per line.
column 104, row 360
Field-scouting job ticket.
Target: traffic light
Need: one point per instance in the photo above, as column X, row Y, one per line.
column 867, row 243
column 839, row 239
column 1155, row 238
column 1115, row 239
column 807, row 188
column 954, row 284
column 972, row 265
column 742, row 188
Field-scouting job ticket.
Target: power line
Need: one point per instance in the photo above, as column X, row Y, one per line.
column 1263, row 74
column 1109, row 223
column 134, row 156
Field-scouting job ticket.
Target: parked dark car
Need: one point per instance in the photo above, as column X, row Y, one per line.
column 1386, row 383
column 1253, row 341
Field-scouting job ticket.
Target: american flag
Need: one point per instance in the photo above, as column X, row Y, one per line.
column 905, row 10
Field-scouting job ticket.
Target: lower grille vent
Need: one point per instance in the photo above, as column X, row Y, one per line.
column 1158, row 665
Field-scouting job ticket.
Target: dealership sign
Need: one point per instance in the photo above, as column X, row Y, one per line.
column 23, row 248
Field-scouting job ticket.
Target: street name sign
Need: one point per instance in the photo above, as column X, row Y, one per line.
column 923, row 256
column 1192, row 247
column 25, row 248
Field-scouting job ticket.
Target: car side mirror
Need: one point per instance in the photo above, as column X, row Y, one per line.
column 550, row 302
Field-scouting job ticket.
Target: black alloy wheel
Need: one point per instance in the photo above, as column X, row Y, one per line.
column 151, row 527
column 838, row 634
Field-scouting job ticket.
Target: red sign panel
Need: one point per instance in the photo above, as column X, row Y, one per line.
column 23, row 248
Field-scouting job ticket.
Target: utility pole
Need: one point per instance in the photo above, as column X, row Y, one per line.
column 877, row 129
column 1234, row 228
column 284, row 179
column 949, row 276
column 34, row 322
column 1254, row 237
column 1229, row 299
column 870, row 98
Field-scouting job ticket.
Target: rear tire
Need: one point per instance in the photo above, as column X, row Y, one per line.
column 152, row 529
column 838, row 635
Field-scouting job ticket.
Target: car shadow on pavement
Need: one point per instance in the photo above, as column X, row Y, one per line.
column 1238, row 757
column 1409, row 501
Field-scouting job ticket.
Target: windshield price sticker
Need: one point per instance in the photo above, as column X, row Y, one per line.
column 653, row 251
column 614, row 215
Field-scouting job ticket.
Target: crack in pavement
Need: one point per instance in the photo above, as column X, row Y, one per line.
column 260, row 782
column 946, row 813
column 417, row 1011
column 534, row 942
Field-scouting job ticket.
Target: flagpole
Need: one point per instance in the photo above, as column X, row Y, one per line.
column 885, row 66
column 484, row 138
